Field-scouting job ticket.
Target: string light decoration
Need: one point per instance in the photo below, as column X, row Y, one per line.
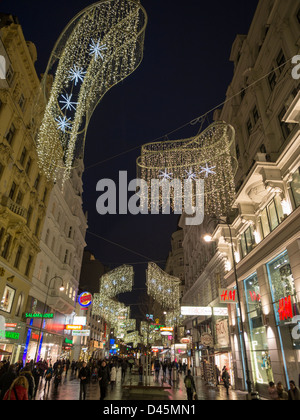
column 133, row 337
column 163, row 287
column 101, row 46
column 105, row 304
column 209, row 156
column 149, row 335
column 119, row 280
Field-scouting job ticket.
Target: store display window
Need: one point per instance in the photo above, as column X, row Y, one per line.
column 7, row 299
column 282, row 288
column 261, row 361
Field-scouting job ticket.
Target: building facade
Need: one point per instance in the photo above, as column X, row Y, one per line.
column 58, row 264
column 24, row 192
column 260, row 246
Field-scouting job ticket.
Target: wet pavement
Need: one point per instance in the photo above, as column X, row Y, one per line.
column 69, row 389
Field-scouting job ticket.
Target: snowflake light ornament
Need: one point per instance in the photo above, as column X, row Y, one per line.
column 63, row 123
column 68, row 104
column 191, row 176
column 76, row 74
column 207, row 170
column 96, row 49
column 165, row 175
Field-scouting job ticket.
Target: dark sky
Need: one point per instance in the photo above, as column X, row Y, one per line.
column 185, row 72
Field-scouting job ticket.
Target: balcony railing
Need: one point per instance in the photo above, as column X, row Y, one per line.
column 14, row 207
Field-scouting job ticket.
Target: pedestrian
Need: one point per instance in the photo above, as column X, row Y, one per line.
column 141, row 369
column 84, row 375
column 157, row 369
column 272, row 390
column 48, row 377
column 73, row 366
column 26, row 371
column 124, row 368
column 18, row 389
column 164, row 368
column 294, row 393
column 104, row 379
column 6, row 380
column 189, row 385
column 36, row 373
column 113, row 377
column 282, row 394
column 226, row 379
column 217, row 370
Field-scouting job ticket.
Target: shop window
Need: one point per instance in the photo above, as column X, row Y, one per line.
column 295, row 188
column 247, row 241
column 261, row 361
column 271, row 216
column 7, row 299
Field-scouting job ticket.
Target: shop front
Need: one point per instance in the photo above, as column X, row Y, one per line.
column 286, row 310
column 11, row 339
column 259, row 350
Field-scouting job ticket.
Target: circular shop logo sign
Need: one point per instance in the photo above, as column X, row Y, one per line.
column 85, row 299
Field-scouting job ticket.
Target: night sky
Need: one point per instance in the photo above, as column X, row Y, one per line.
column 185, row 73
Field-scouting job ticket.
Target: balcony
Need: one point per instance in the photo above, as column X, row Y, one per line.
column 12, row 207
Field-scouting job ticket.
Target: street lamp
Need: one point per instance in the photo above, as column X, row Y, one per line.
column 208, row 238
column 45, row 304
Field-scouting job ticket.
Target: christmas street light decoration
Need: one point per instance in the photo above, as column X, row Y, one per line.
column 119, row 280
column 101, row 46
column 209, row 156
column 163, row 287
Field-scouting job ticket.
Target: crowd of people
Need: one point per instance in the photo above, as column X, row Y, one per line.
column 277, row 392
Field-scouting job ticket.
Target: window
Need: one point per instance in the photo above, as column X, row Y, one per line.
column 66, row 257
column 285, row 128
column 255, row 115
column 28, row 265
column 12, row 191
column 47, row 236
column 37, row 181
column 19, row 305
column 6, row 247
column 10, row 134
column 23, row 156
column 9, row 75
column 247, row 241
column 29, row 215
column 70, row 232
column 295, row 188
column 249, row 127
column 7, row 299
column 271, row 216
column 19, row 198
column 28, row 165
column 280, row 60
column 45, row 195
column 47, row 274
column 21, row 101
column 258, row 337
column 272, row 80
column 37, row 227
column 18, row 257
column 237, row 151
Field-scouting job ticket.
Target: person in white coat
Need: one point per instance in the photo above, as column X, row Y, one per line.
column 113, row 377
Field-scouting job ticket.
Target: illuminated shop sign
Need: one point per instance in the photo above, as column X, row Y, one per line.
column 36, row 315
column 68, row 341
column 70, row 327
column 85, row 299
column 9, row 334
column 228, row 296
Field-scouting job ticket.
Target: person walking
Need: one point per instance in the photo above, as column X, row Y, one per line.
column 26, row 371
column 189, row 385
column 48, row 377
column 217, row 370
column 84, row 375
column 18, row 389
column 6, row 380
column 113, row 377
column 226, row 379
column 124, row 368
column 104, row 379
column 282, row 394
column 157, row 369
column 294, row 393
column 272, row 390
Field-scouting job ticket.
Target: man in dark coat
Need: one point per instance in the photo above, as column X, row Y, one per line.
column 104, row 379
column 6, row 380
column 84, row 376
